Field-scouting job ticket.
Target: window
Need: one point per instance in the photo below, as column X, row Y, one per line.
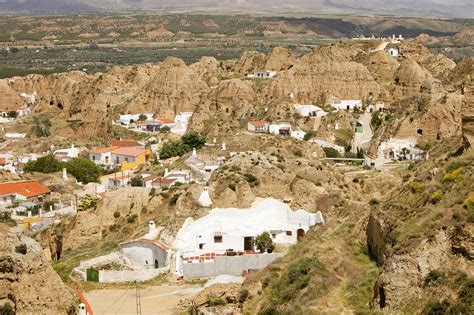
column 146, row 262
column 93, row 158
column 274, row 235
column 217, row 239
column 289, row 233
column 201, row 246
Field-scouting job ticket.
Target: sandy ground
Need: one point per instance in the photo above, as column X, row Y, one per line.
column 162, row 299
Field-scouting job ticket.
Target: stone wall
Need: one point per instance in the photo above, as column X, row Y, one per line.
column 229, row 265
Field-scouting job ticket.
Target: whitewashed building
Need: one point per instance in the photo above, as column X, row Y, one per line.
column 283, row 128
column 346, row 104
column 145, row 253
column 400, row 149
column 264, row 74
column 298, row 134
column 309, row 111
column 224, row 229
column 65, row 155
column 257, row 126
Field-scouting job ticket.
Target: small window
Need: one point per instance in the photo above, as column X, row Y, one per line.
column 146, row 262
column 289, row 233
column 419, row 131
column 274, row 235
column 201, row 246
column 217, row 239
column 93, row 158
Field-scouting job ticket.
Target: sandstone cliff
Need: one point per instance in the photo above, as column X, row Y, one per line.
column 28, row 283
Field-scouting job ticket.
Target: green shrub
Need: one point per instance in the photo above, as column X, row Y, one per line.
column 88, row 202
column 47, row 205
column 152, row 192
column 216, row 301
column 114, row 227
column 251, row 179
column 331, row 153
column 436, row 197
column 469, row 206
column 235, row 168
column 298, row 153
column 433, row 277
column 436, row 308
column 417, row 187
column 116, row 214
column 21, row 249
column 136, row 181
column 453, row 176
column 7, row 309
column 131, row 218
column 174, row 199
column 243, row 295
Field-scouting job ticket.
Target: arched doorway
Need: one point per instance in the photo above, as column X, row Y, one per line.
column 300, row 233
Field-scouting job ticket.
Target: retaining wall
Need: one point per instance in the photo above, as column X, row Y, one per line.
column 229, row 265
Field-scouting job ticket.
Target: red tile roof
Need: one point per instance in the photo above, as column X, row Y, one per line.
column 27, row 188
column 3, row 161
column 104, row 150
column 125, row 143
column 165, row 120
column 130, row 151
column 258, row 123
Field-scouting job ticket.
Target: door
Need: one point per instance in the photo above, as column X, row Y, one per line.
column 157, row 265
column 248, row 243
column 92, row 275
column 300, row 234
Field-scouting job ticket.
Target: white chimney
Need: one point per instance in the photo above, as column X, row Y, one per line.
column 224, row 147
column 151, row 227
column 82, row 309
column 194, row 152
column 205, row 198
column 166, row 172
column 65, row 174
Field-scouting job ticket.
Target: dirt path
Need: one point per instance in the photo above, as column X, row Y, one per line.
column 162, row 299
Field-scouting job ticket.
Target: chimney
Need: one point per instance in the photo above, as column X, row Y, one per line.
column 224, row 147
column 151, row 226
column 194, row 152
column 166, row 172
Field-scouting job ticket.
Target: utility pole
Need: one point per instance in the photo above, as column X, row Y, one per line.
column 137, row 298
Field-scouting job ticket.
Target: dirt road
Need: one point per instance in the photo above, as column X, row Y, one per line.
column 162, row 299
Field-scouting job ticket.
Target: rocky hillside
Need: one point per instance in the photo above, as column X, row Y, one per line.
column 424, row 90
column 28, row 283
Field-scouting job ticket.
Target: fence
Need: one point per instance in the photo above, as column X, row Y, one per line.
column 229, row 265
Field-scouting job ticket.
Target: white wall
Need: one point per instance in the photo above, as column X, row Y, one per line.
column 143, row 255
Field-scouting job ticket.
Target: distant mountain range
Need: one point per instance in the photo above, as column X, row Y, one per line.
column 431, row 8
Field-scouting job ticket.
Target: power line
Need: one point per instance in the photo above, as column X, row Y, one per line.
column 121, row 305
column 115, row 302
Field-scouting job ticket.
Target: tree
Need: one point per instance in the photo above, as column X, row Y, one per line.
column 136, row 181
column 83, row 170
column 173, row 148
column 142, row 117
column 46, row 164
column 264, row 243
column 193, row 140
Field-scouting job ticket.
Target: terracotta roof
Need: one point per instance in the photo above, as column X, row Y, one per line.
column 104, row 150
column 165, row 120
column 3, row 161
column 130, row 151
column 153, row 242
column 258, row 123
column 125, row 143
column 27, row 188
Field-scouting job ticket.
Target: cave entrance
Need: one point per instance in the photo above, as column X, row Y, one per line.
column 420, row 132
column 381, row 297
